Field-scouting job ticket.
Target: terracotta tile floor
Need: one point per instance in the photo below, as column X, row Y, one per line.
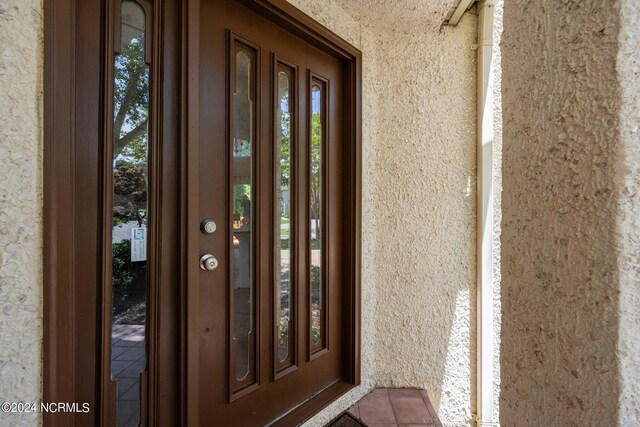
column 396, row 407
column 127, row 361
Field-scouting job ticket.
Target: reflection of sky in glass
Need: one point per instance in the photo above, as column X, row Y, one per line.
column 284, row 105
column 315, row 100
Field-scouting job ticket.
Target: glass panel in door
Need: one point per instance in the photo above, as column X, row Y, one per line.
column 318, row 312
column 284, row 231
column 130, row 213
column 243, row 323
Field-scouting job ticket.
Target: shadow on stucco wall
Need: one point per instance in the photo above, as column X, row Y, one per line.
column 425, row 202
column 559, row 252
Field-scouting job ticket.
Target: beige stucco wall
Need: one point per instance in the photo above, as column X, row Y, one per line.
column 418, row 278
column 496, row 66
column 628, row 213
column 21, row 58
column 570, row 231
column 424, row 198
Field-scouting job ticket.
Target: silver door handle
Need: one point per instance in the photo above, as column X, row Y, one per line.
column 208, row 262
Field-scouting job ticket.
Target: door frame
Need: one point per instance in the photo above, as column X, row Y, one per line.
column 74, row 107
column 78, row 55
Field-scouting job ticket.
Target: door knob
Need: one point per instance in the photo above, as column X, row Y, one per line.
column 208, row 262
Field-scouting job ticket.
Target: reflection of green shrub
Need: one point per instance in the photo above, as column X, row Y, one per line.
column 284, row 330
column 315, row 323
column 284, row 244
column 241, row 198
column 315, row 244
column 315, row 277
column 121, row 261
column 316, row 310
column 130, row 193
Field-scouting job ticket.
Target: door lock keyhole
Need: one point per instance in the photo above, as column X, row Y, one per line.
column 208, row 226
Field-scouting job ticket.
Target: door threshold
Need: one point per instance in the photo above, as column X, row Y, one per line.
column 314, row 404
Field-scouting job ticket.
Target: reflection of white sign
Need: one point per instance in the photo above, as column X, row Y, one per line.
column 138, row 244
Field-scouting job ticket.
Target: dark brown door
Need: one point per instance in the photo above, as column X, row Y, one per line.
column 252, row 115
column 267, row 310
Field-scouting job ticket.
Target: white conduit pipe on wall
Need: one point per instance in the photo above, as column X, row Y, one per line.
column 485, row 415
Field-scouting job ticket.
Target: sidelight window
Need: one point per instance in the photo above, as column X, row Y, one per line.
column 130, row 213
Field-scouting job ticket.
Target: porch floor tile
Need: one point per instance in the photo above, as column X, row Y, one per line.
column 127, row 362
column 396, row 407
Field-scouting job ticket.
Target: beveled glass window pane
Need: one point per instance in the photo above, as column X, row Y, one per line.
column 242, row 227
column 315, row 226
column 130, row 213
column 283, row 223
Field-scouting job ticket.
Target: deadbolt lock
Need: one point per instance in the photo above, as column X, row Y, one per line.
column 208, row 226
column 208, row 262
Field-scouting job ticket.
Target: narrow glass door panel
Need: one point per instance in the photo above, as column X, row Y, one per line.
column 284, row 223
column 130, row 213
column 316, row 206
column 242, row 165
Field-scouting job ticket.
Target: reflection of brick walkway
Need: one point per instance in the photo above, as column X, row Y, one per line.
column 396, row 407
column 127, row 362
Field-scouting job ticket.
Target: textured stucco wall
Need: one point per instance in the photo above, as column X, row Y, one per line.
column 418, row 277
column 496, row 66
column 425, row 199
column 628, row 213
column 21, row 57
column 570, row 213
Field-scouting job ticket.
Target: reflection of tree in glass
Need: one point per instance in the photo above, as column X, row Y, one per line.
column 130, row 159
column 130, row 193
column 285, row 131
column 315, row 199
column 130, row 136
column 131, row 93
column 316, row 170
column 241, row 199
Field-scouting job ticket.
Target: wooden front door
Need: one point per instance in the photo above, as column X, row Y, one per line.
column 268, row 311
column 202, row 213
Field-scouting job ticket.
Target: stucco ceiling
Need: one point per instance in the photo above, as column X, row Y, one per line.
column 398, row 13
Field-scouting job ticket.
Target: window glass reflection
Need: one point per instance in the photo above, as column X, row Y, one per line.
column 315, row 208
column 130, row 213
column 242, row 227
column 283, row 219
